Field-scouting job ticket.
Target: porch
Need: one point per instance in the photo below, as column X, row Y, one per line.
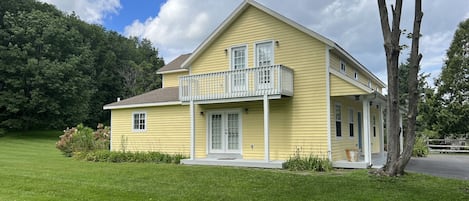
column 377, row 161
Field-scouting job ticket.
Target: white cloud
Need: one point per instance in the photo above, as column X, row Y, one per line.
column 91, row 11
column 181, row 25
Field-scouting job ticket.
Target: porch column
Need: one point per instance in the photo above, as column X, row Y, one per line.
column 381, row 128
column 401, row 133
column 266, row 129
column 366, row 131
column 192, row 112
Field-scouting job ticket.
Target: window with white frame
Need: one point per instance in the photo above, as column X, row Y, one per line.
column 338, row 120
column 356, row 75
column 264, row 54
column 351, row 122
column 369, row 83
column 374, row 126
column 343, row 66
column 139, row 120
column 238, row 57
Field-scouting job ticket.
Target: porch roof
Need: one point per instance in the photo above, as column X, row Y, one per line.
column 157, row 97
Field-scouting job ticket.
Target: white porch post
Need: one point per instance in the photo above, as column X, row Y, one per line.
column 192, row 112
column 401, row 133
column 381, row 128
column 266, row 129
column 366, row 131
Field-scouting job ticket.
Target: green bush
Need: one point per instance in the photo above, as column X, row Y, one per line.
column 311, row 162
column 420, row 148
column 2, row 132
column 138, row 157
column 83, row 139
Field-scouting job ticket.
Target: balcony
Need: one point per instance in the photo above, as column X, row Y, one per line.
column 276, row 80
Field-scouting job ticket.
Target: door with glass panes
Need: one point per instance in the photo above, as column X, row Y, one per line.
column 224, row 132
column 238, row 63
column 264, row 58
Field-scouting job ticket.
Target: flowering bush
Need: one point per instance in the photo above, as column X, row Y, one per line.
column 83, row 139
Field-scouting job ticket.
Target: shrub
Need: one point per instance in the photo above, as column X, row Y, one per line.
column 119, row 157
column 2, row 132
column 311, row 162
column 420, row 148
column 83, row 139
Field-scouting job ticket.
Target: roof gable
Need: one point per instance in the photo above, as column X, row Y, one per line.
column 239, row 11
column 174, row 65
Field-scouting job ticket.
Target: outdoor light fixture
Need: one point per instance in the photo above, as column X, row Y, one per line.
column 202, row 113
column 226, row 51
column 246, row 110
column 277, row 43
column 357, row 97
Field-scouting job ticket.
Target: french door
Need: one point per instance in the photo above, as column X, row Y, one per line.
column 224, row 132
column 238, row 62
column 264, row 58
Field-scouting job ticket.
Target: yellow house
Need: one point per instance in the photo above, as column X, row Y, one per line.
column 259, row 89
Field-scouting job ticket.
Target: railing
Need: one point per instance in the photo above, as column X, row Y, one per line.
column 447, row 145
column 249, row 82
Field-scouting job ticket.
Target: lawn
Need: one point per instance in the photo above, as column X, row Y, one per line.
column 32, row 169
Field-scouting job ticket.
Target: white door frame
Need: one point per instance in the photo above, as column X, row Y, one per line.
column 224, row 116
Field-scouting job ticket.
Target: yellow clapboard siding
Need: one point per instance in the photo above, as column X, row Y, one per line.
column 340, row 87
column 167, row 130
column 293, row 124
column 172, row 79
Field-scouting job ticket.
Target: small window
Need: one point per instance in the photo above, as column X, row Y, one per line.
column 342, row 67
column 356, row 75
column 338, row 120
column 369, row 83
column 139, row 121
column 351, row 122
column 374, row 126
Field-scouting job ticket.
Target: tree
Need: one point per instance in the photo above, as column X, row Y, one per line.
column 453, row 85
column 396, row 162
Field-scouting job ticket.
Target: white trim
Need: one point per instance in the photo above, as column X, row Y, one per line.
column 328, row 104
column 162, row 81
column 110, row 133
column 381, row 128
column 351, row 81
column 351, row 121
column 366, row 131
column 233, row 100
column 172, row 71
column 335, row 119
column 223, row 112
column 142, row 105
column 192, row 140
column 266, row 129
column 230, row 61
column 255, row 51
column 145, row 123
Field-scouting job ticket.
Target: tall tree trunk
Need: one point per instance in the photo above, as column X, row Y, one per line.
column 415, row 58
column 395, row 162
column 392, row 49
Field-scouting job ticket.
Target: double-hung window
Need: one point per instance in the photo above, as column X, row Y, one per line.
column 338, row 120
column 139, row 120
column 343, row 67
column 351, row 122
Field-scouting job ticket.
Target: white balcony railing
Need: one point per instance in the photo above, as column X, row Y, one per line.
column 249, row 82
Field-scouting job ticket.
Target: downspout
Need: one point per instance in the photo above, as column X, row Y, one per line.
column 328, row 104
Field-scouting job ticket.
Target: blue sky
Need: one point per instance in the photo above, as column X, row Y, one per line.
column 178, row 26
column 130, row 11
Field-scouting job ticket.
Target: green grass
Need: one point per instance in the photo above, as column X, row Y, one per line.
column 32, row 169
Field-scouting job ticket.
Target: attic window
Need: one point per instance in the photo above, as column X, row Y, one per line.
column 369, row 83
column 342, row 67
column 356, row 75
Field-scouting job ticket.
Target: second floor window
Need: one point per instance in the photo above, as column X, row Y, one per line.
column 343, row 67
column 264, row 54
column 238, row 58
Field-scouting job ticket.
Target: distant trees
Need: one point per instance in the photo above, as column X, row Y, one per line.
column 57, row 71
column 453, row 85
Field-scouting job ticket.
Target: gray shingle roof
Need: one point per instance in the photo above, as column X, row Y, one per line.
column 175, row 64
column 162, row 95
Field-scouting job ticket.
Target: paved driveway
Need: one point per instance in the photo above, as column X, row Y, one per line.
column 442, row 165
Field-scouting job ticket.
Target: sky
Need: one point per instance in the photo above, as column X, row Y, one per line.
column 178, row 26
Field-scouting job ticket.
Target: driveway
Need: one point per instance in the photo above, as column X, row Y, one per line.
column 442, row 165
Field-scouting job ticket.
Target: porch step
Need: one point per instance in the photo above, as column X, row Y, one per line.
column 234, row 163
